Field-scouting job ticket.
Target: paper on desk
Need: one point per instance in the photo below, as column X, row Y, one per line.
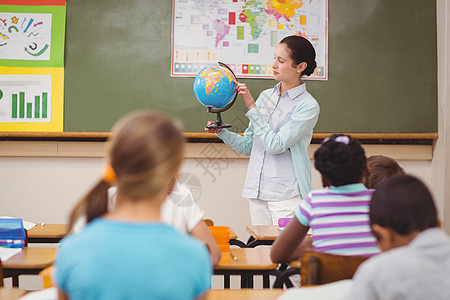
column 338, row 290
column 27, row 225
column 7, row 253
column 45, row 294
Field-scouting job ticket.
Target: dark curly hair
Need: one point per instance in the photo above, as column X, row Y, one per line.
column 341, row 160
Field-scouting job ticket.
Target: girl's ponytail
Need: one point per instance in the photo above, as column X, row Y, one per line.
column 92, row 205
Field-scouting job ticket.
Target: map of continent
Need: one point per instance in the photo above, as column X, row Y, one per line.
column 253, row 14
column 243, row 34
column 283, row 8
column 212, row 76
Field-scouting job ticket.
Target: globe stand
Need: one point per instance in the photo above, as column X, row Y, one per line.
column 218, row 124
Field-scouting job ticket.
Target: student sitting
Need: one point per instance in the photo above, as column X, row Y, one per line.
column 416, row 261
column 379, row 168
column 339, row 215
column 128, row 253
column 186, row 217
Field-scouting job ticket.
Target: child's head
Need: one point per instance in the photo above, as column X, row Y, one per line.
column 145, row 153
column 301, row 50
column 401, row 206
column 341, row 160
column 380, row 167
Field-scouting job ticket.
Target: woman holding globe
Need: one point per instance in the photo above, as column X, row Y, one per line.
column 280, row 129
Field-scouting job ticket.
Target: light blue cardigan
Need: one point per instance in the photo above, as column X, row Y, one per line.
column 295, row 135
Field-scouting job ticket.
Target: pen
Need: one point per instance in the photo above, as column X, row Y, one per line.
column 233, row 256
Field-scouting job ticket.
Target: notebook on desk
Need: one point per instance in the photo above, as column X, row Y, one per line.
column 332, row 291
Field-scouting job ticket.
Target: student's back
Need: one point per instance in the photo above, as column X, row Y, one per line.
column 128, row 253
column 339, row 220
column 121, row 260
column 419, row 271
column 416, row 261
column 338, row 215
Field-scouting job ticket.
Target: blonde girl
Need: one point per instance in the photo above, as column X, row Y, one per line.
column 128, row 252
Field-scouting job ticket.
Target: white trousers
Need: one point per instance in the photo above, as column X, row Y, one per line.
column 268, row 212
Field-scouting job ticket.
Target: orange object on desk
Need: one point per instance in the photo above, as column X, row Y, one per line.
column 222, row 236
column 46, row 275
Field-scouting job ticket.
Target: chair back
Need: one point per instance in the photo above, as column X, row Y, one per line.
column 208, row 222
column 46, row 276
column 222, row 236
column 321, row 268
column 1, row 274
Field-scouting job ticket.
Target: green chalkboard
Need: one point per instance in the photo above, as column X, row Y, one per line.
column 382, row 67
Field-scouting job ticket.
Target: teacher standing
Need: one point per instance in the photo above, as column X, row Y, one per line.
column 280, row 130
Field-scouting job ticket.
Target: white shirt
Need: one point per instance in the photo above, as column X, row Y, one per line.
column 272, row 177
column 179, row 209
column 419, row 270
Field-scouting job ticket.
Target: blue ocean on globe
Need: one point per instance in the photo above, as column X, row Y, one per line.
column 214, row 87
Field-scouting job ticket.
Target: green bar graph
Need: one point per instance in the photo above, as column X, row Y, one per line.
column 22, row 109
column 37, row 106
column 29, row 110
column 21, row 105
column 44, row 105
column 14, row 106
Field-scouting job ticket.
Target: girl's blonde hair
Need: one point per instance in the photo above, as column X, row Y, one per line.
column 145, row 153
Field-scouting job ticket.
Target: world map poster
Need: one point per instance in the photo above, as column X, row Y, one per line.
column 244, row 33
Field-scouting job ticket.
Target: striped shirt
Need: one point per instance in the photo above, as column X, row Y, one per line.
column 339, row 220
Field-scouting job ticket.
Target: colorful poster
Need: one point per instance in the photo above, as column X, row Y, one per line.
column 32, row 36
column 31, row 99
column 25, row 36
column 244, row 33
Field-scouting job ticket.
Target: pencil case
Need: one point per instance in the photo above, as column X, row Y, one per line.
column 12, row 233
column 282, row 222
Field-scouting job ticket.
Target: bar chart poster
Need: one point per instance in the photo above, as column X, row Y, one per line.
column 31, row 102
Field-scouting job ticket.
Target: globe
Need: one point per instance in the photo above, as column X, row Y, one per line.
column 214, row 87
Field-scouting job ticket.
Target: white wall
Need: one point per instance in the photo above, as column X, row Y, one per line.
column 440, row 165
column 41, row 181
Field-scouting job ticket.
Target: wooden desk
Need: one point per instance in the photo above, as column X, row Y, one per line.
column 234, row 240
column 28, row 261
column 263, row 234
column 49, row 233
column 243, row 294
column 11, row 294
column 250, row 261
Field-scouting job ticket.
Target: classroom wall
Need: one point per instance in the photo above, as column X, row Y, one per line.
column 441, row 165
column 41, row 181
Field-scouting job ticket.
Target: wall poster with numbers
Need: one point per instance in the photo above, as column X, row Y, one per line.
column 244, row 33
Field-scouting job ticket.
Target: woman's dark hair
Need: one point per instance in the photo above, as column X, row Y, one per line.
column 301, row 51
column 380, row 168
column 341, row 160
column 404, row 204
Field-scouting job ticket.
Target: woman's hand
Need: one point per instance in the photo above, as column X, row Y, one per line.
column 212, row 130
column 246, row 95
